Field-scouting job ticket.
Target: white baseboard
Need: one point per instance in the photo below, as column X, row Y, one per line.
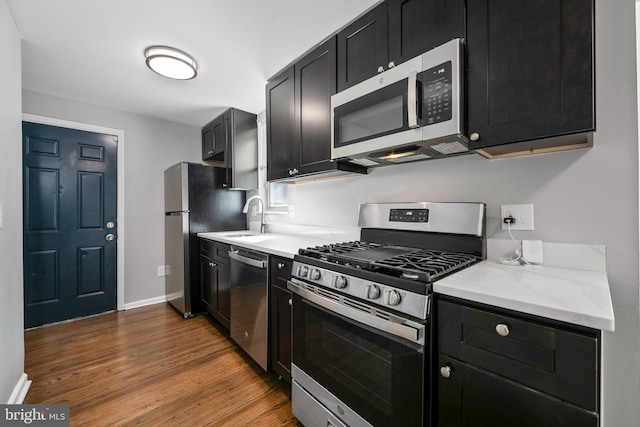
column 145, row 302
column 20, row 391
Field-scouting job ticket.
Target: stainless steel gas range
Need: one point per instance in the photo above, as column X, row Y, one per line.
column 361, row 313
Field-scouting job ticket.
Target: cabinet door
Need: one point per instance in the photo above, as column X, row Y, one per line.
column 315, row 82
column 530, row 69
column 227, row 120
column 416, row 26
column 207, row 283
column 282, row 150
column 280, row 317
column 207, row 141
column 223, row 295
column 363, row 48
column 471, row 397
column 219, row 135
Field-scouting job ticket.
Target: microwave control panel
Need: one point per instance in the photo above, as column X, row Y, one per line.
column 436, row 90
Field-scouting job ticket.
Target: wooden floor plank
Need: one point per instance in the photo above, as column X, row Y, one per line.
column 151, row 367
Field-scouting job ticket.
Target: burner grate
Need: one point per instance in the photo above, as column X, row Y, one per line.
column 426, row 265
column 408, row 263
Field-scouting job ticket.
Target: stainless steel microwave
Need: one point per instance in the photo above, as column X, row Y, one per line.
column 411, row 112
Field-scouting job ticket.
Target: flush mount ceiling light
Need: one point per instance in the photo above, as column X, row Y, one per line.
column 170, row 62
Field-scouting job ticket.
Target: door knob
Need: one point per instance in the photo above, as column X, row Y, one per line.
column 109, row 237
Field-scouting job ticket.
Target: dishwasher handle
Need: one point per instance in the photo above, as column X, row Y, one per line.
column 258, row 263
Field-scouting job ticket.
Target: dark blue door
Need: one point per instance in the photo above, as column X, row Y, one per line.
column 70, row 228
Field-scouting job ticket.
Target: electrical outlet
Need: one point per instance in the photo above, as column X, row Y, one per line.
column 523, row 215
column 161, row 270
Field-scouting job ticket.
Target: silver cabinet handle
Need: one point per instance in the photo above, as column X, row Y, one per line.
column 474, row 136
column 280, row 265
column 392, row 64
column 110, row 237
column 290, row 301
column 502, row 329
column 445, row 371
column 110, row 224
column 380, row 69
column 210, row 152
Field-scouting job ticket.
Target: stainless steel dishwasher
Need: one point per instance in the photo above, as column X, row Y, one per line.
column 249, row 302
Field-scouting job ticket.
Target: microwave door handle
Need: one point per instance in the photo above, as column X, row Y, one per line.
column 412, row 100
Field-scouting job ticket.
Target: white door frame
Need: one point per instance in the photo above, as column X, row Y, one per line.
column 120, row 164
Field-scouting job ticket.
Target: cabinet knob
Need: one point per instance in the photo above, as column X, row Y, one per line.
column 445, row 371
column 280, row 265
column 392, row 64
column 212, row 264
column 380, row 69
column 210, row 152
column 290, row 301
column 474, row 136
column 502, row 329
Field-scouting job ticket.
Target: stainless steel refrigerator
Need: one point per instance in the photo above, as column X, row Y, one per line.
column 194, row 202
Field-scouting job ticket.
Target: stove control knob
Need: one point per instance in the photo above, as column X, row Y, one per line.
column 314, row 274
column 392, row 297
column 340, row 282
column 372, row 291
column 303, row 270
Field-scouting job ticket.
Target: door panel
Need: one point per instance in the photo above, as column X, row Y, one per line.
column 70, row 193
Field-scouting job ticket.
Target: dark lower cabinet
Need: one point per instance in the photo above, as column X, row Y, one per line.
column 280, row 317
column 530, row 74
column 499, row 368
column 215, row 283
column 474, row 397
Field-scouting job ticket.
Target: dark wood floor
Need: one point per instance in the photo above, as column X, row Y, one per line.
column 149, row 366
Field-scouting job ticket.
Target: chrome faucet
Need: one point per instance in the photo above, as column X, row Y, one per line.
column 245, row 209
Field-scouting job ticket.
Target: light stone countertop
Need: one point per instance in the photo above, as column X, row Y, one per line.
column 574, row 296
column 280, row 244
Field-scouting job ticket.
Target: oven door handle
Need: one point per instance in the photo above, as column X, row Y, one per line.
column 390, row 323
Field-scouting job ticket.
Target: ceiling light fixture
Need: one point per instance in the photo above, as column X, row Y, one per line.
column 170, row 62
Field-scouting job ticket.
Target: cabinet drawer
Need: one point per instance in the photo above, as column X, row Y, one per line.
column 280, row 271
column 221, row 252
column 206, row 247
column 559, row 362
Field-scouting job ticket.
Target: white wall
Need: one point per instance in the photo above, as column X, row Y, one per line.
column 587, row 196
column 11, row 312
column 151, row 146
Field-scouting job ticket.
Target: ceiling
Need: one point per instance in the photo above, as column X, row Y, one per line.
column 93, row 51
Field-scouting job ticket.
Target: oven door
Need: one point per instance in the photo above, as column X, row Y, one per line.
column 359, row 373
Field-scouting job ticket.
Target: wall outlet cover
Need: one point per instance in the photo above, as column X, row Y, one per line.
column 523, row 215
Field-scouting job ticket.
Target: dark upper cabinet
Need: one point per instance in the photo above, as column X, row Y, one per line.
column 394, row 32
column 416, row 26
column 282, row 149
column 207, row 141
column 315, row 82
column 214, row 140
column 363, row 47
column 299, row 117
column 231, row 141
column 530, row 74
